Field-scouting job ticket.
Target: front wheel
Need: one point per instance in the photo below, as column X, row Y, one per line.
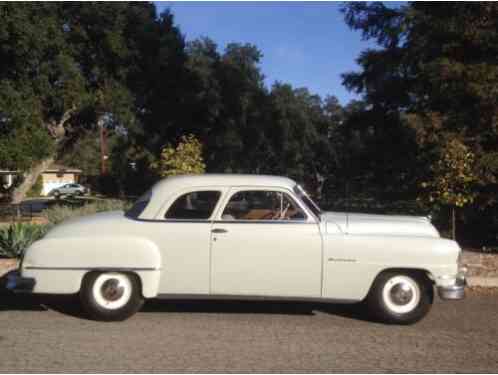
column 400, row 297
column 111, row 296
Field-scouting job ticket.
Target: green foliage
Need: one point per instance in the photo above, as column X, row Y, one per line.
column 85, row 153
column 453, row 176
column 185, row 158
column 68, row 70
column 37, row 188
column 23, row 139
column 437, row 70
column 65, row 69
column 434, row 82
column 122, row 67
column 17, row 237
column 59, row 213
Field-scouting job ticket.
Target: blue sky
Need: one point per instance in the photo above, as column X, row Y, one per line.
column 306, row 44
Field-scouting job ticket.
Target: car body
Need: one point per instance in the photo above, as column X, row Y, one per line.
column 69, row 189
column 243, row 237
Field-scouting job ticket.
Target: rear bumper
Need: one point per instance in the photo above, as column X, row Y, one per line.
column 455, row 291
column 19, row 284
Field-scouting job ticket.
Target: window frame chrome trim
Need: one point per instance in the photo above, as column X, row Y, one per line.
column 232, row 190
column 263, row 222
column 166, row 205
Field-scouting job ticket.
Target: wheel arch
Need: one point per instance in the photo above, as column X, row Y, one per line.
column 424, row 274
column 413, row 270
column 148, row 281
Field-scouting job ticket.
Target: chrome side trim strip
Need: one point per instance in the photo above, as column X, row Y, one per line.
column 93, row 268
column 236, row 297
column 202, row 221
column 205, row 221
column 263, row 222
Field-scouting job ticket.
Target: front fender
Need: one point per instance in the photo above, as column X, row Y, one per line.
column 352, row 262
column 59, row 264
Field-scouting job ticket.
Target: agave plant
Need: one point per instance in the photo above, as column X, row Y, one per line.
column 17, row 237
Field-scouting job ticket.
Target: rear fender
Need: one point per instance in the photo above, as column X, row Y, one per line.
column 59, row 264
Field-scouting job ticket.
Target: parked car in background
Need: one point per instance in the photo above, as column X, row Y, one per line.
column 69, row 189
column 242, row 237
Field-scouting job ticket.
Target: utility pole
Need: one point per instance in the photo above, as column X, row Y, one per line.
column 103, row 148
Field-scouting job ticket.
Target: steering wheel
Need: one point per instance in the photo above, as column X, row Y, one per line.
column 284, row 212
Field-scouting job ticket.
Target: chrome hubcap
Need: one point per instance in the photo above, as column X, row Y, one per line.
column 401, row 294
column 111, row 290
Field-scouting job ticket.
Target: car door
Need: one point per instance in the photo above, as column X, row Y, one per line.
column 265, row 243
column 183, row 231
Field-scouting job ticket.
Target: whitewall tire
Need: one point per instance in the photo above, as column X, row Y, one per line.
column 111, row 295
column 400, row 297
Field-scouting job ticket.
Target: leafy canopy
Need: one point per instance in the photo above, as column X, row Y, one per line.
column 185, row 158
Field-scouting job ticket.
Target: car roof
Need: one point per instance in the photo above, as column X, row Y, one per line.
column 171, row 185
column 185, row 181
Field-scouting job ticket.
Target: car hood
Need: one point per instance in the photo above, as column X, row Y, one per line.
column 102, row 223
column 379, row 224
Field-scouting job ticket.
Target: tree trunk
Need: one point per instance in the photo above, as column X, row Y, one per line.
column 58, row 132
column 19, row 193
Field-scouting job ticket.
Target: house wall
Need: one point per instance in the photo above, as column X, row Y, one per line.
column 54, row 180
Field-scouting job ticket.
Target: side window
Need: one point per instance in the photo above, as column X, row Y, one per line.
column 194, row 205
column 262, row 205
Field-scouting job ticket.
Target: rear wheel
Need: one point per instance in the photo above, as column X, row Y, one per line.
column 400, row 297
column 111, row 296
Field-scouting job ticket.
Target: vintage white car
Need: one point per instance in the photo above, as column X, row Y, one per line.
column 242, row 237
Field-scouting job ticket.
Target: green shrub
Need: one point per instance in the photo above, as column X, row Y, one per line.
column 17, row 237
column 59, row 213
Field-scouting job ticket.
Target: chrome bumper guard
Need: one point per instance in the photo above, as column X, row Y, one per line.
column 17, row 283
column 455, row 291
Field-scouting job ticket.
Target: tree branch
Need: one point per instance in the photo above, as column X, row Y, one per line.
column 56, row 129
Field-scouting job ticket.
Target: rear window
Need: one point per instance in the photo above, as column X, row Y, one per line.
column 139, row 206
column 197, row 205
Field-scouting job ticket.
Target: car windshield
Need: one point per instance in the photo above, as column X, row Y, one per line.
column 139, row 206
column 307, row 200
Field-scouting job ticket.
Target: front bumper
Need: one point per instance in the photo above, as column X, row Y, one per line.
column 17, row 283
column 455, row 291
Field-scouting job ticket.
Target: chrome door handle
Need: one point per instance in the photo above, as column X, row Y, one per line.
column 219, row 230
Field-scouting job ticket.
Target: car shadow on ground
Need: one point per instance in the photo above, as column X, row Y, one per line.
column 70, row 305
column 353, row 311
column 10, row 301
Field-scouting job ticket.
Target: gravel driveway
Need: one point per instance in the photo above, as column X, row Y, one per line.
column 48, row 334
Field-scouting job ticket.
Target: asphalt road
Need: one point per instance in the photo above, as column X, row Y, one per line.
column 49, row 334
